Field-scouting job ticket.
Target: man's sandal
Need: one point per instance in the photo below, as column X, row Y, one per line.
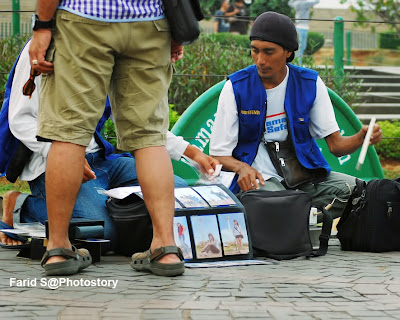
column 77, row 259
column 148, row 261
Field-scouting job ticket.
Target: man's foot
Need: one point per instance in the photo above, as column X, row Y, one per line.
column 74, row 260
column 9, row 200
column 149, row 261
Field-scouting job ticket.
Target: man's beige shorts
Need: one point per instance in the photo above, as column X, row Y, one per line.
column 130, row 61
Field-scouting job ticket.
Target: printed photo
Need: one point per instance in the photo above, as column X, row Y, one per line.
column 206, row 236
column 215, row 196
column 190, row 198
column 182, row 237
column 234, row 233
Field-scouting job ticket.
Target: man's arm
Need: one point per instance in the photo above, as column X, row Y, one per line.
column 177, row 147
column 207, row 163
column 247, row 175
column 340, row 145
column 41, row 38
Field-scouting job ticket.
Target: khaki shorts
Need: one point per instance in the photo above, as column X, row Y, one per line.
column 130, row 61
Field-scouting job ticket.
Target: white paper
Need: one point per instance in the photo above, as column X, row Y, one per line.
column 122, row 192
column 226, row 178
column 34, row 229
column 365, row 144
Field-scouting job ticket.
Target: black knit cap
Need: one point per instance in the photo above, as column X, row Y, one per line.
column 277, row 28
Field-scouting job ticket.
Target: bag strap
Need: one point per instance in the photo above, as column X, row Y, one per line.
column 18, row 206
column 327, row 221
column 197, row 9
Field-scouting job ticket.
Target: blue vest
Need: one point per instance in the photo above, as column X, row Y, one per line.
column 251, row 98
column 9, row 143
column 107, row 147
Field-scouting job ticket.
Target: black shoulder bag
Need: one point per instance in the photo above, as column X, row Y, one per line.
column 183, row 17
column 279, row 224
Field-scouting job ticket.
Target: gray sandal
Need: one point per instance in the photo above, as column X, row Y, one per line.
column 77, row 260
column 147, row 261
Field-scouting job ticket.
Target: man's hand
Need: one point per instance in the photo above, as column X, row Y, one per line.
column 88, row 174
column 176, row 51
column 376, row 135
column 37, row 51
column 248, row 176
column 207, row 163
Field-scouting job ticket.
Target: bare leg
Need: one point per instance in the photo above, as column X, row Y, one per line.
column 9, row 200
column 64, row 173
column 155, row 175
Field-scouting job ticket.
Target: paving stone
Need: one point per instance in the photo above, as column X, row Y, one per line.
column 340, row 285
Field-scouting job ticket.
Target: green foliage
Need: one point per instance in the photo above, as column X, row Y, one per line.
column 387, row 10
column 256, row 7
column 9, row 50
column 109, row 132
column 226, row 39
column 389, row 40
column 205, row 63
column 346, row 87
column 281, row 6
column 111, row 136
column 173, row 116
column 315, row 41
column 389, row 148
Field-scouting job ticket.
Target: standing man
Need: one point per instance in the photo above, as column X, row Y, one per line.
column 221, row 24
column 273, row 107
column 302, row 8
column 123, row 49
column 238, row 17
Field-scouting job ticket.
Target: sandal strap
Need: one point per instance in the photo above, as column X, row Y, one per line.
column 66, row 253
column 162, row 251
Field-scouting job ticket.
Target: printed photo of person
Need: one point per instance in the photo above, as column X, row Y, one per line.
column 190, row 198
column 234, row 233
column 182, row 237
column 206, row 236
column 215, row 196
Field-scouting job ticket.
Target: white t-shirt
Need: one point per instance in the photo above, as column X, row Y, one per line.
column 322, row 123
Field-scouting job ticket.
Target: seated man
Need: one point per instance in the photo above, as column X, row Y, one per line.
column 103, row 169
column 279, row 104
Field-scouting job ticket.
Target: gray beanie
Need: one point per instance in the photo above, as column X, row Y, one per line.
column 277, row 28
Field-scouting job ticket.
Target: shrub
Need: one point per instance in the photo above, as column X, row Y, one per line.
column 315, row 41
column 109, row 128
column 389, row 40
column 205, row 63
column 389, row 148
column 229, row 39
column 9, row 50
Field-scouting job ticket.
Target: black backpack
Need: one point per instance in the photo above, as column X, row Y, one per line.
column 371, row 219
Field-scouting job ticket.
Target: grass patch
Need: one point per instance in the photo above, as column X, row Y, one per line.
column 21, row 186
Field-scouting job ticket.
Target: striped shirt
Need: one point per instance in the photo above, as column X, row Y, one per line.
column 115, row 10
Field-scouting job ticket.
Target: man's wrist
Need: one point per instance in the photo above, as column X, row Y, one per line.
column 39, row 24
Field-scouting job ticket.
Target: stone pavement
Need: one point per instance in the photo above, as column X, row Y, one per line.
column 340, row 285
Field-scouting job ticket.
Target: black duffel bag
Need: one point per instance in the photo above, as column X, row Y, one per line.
column 133, row 224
